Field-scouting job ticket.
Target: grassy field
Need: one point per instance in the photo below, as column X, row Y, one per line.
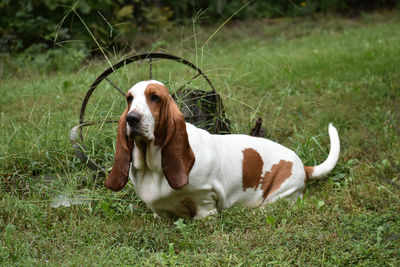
column 297, row 74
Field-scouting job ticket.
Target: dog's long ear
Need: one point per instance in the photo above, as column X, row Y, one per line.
column 177, row 157
column 123, row 156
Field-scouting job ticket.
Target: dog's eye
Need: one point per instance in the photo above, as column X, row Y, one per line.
column 129, row 98
column 155, row 98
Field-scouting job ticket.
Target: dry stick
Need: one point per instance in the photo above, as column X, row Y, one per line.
column 61, row 23
column 94, row 38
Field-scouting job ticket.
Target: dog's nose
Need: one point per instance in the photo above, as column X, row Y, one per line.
column 133, row 118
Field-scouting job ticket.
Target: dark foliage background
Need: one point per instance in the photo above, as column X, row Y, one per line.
column 35, row 25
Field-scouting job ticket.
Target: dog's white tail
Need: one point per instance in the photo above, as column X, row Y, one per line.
column 319, row 171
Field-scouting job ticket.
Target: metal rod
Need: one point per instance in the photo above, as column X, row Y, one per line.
column 194, row 77
column 116, row 87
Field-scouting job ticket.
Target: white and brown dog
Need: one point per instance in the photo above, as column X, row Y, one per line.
column 180, row 170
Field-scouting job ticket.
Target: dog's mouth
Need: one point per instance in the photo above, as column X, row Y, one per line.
column 134, row 132
column 137, row 133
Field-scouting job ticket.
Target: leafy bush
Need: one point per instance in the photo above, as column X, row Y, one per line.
column 46, row 23
column 51, row 22
column 220, row 10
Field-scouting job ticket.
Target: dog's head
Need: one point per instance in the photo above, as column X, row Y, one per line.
column 152, row 116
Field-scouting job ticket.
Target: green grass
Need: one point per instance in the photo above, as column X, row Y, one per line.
column 298, row 75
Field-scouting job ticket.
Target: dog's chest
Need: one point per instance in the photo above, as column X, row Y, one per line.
column 149, row 185
column 152, row 187
column 153, row 190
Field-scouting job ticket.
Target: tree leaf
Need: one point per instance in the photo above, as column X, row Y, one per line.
column 125, row 11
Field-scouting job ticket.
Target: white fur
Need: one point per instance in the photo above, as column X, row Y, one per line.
column 139, row 105
column 327, row 166
column 215, row 180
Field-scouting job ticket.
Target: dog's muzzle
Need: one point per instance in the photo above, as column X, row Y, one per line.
column 133, row 119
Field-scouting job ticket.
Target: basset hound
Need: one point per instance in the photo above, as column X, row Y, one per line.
column 183, row 171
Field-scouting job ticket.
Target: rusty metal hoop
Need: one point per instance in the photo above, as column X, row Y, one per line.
column 76, row 136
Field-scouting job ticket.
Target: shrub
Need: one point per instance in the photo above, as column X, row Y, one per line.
column 44, row 23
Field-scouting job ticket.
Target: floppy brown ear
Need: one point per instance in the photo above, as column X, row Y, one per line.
column 177, row 157
column 123, row 156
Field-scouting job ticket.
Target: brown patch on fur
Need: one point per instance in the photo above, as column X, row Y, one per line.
column 252, row 168
column 177, row 157
column 309, row 170
column 252, row 173
column 123, row 156
column 273, row 179
column 157, row 108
